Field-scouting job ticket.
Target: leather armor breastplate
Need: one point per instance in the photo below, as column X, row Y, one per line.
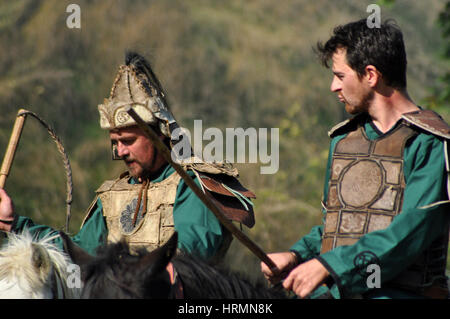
column 366, row 186
column 119, row 200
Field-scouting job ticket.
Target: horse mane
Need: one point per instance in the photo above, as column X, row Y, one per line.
column 19, row 261
column 114, row 273
column 112, row 266
column 201, row 279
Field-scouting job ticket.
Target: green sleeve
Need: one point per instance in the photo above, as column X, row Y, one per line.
column 23, row 223
column 410, row 232
column 198, row 229
column 308, row 246
column 90, row 236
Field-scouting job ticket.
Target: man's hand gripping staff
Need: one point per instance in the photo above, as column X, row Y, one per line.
column 6, row 205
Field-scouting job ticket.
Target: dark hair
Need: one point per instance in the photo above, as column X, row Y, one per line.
column 381, row 47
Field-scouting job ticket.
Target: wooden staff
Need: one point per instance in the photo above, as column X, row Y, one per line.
column 165, row 152
column 12, row 146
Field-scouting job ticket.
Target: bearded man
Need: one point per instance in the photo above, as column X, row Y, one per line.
column 146, row 204
column 386, row 195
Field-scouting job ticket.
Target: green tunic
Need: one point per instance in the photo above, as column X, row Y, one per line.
column 198, row 229
column 402, row 241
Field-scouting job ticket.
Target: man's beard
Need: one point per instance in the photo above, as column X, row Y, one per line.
column 139, row 171
column 354, row 108
column 134, row 169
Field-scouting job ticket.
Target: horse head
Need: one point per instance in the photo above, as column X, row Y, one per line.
column 31, row 269
column 116, row 272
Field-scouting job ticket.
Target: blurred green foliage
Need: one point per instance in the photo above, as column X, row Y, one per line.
column 439, row 98
column 230, row 63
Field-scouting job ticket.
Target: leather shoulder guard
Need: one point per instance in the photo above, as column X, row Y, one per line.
column 428, row 121
column 109, row 184
column 229, row 194
column 106, row 186
column 347, row 125
column 433, row 123
column 220, row 182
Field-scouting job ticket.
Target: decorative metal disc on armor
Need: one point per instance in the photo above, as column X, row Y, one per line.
column 361, row 183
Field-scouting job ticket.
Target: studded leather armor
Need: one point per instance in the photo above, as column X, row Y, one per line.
column 366, row 188
column 153, row 226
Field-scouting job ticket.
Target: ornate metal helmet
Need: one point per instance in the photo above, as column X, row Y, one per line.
column 136, row 85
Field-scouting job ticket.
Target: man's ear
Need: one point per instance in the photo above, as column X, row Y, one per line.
column 372, row 76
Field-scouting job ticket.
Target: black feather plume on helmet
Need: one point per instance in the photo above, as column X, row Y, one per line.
column 146, row 75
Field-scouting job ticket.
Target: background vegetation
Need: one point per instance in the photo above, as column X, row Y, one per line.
column 230, row 63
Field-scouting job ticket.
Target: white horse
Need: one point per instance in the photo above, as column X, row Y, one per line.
column 32, row 269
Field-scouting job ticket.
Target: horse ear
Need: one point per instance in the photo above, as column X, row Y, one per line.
column 170, row 247
column 157, row 260
column 76, row 253
column 40, row 258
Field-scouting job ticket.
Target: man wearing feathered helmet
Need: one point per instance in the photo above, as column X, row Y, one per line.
column 150, row 201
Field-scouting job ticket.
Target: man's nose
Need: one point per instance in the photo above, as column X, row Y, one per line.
column 335, row 84
column 122, row 150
